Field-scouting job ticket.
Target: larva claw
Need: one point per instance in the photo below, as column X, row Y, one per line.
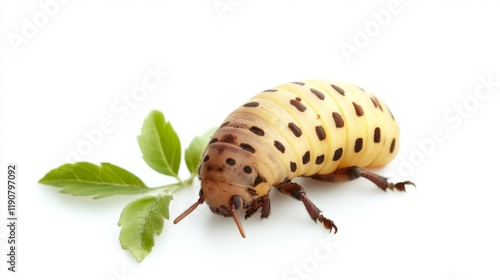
column 401, row 186
column 262, row 202
column 329, row 224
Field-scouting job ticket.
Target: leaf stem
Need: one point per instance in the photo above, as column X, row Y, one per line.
column 172, row 188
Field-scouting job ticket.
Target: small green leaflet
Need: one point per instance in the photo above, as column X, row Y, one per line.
column 87, row 179
column 192, row 155
column 141, row 220
column 160, row 145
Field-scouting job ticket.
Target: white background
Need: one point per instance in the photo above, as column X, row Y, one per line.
column 79, row 62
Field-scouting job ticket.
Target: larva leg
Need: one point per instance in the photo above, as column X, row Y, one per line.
column 354, row 172
column 257, row 203
column 296, row 191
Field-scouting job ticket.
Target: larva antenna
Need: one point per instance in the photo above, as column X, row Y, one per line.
column 189, row 210
column 237, row 220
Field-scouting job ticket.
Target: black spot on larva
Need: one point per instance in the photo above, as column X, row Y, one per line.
column 247, row 147
column 320, row 159
column 393, row 145
column 230, row 161
column 378, row 104
column 295, row 129
column 376, row 135
column 228, row 138
column 258, row 180
column 339, row 121
column 293, row 166
column 298, row 83
column 318, row 94
column 213, row 140
column 306, row 157
column 279, row 146
column 251, row 104
column 247, row 169
column 257, row 130
column 220, row 169
column 252, row 191
column 358, row 109
column 338, row 89
column 320, row 132
column 374, row 102
column 206, row 158
column 271, row 90
column 297, row 104
column 338, row 154
column 358, row 145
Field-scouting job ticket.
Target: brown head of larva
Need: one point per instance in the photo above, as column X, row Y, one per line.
column 222, row 198
column 229, row 178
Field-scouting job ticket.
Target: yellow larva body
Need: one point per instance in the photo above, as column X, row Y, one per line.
column 277, row 113
column 296, row 129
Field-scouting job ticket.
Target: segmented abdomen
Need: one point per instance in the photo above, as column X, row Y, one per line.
column 313, row 127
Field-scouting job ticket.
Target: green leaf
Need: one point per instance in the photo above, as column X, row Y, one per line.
column 141, row 220
column 87, row 179
column 160, row 145
column 195, row 149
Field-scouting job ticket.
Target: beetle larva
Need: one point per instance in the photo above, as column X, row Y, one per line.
column 318, row 129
